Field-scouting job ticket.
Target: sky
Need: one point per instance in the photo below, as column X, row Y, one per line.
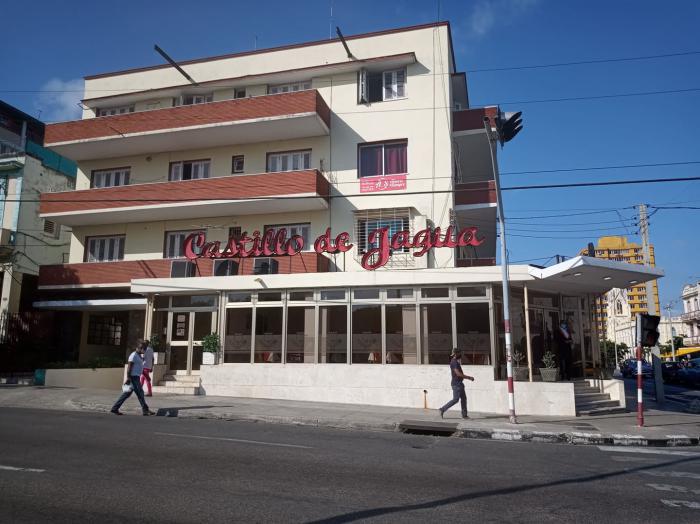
column 53, row 45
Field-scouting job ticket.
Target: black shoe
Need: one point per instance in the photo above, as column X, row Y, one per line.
column 465, row 417
column 116, row 412
column 442, row 413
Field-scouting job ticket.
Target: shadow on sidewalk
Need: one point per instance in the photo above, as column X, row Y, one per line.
column 173, row 412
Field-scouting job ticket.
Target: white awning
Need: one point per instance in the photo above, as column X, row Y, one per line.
column 120, row 304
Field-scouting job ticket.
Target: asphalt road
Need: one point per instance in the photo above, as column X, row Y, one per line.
column 89, row 467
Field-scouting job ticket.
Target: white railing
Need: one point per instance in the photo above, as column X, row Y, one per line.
column 10, row 150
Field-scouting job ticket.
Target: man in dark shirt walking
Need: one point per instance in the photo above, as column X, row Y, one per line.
column 458, row 393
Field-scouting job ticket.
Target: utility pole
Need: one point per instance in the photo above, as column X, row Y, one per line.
column 673, row 342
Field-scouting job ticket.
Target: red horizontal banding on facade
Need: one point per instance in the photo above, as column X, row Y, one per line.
column 289, row 183
column 475, row 262
column 122, row 272
column 475, row 193
column 471, row 119
column 268, row 106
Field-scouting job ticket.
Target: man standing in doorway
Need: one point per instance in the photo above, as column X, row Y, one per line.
column 133, row 373
column 458, row 393
column 147, row 369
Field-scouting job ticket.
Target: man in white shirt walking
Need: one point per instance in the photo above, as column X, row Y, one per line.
column 135, row 368
column 147, row 369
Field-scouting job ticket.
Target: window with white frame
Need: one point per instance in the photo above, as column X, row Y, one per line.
column 175, row 243
column 381, row 86
column 303, row 230
column 104, row 249
column 189, row 170
column 188, row 100
column 289, row 88
column 288, row 161
column 386, row 158
column 239, row 92
column 366, row 226
column 238, row 164
column 110, row 177
column 110, row 111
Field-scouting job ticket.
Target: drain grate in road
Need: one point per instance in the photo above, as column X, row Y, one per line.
column 423, row 427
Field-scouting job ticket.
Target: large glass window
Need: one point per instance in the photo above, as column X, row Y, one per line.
column 389, row 158
column 333, row 333
column 301, row 330
column 474, row 333
column 239, row 325
column 106, row 330
column 436, row 333
column 268, row 334
column 189, row 170
column 401, row 334
column 110, row 177
column 365, row 228
column 175, row 243
column 104, row 249
column 367, row 334
column 289, row 88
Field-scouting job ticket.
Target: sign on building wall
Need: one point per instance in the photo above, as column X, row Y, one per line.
column 380, row 244
column 382, row 183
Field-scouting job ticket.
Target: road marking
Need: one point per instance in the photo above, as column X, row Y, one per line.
column 30, row 470
column 681, row 504
column 620, row 449
column 242, row 441
column 673, row 474
column 671, row 487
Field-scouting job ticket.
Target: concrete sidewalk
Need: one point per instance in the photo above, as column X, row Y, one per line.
column 663, row 428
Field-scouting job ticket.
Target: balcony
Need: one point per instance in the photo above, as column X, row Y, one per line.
column 258, row 119
column 11, row 156
column 208, row 197
column 691, row 315
column 691, row 341
column 472, row 119
column 475, row 193
column 120, row 274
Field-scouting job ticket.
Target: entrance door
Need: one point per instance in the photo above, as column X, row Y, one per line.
column 186, row 334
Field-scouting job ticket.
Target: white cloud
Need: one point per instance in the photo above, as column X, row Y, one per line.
column 488, row 13
column 58, row 99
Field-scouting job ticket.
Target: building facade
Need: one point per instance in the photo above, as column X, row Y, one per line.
column 620, row 249
column 329, row 213
column 691, row 315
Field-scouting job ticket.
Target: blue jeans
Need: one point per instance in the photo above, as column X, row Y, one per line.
column 458, row 394
column 136, row 388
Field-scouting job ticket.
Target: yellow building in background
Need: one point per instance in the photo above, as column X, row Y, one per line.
column 620, row 249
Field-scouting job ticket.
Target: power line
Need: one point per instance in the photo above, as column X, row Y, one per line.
column 601, row 168
column 607, row 183
column 596, row 97
column 584, row 62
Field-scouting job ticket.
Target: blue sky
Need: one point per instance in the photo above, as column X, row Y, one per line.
column 53, row 45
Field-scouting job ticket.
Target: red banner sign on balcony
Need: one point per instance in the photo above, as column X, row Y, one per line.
column 382, row 183
column 377, row 251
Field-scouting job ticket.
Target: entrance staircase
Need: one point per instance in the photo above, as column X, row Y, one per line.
column 179, row 383
column 590, row 401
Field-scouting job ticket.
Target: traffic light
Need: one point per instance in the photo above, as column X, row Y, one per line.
column 508, row 125
column 650, row 333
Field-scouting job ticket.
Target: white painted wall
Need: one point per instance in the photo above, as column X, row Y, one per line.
column 101, row 378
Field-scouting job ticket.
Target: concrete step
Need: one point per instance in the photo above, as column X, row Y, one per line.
column 587, row 405
column 179, row 372
column 601, row 411
column 184, row 379
column 176, row 390
column 590, row 396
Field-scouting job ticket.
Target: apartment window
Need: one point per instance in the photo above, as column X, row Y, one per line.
column 365, row 226
column 265, row 266
column 105, row 330
column 235, row 233
column 189, row 170
column 303, row 230
column 51, row 229
column 188, row 100
column 225, row 268
column 289, row 88
column 183, row 269
column 237, row 164
column 105, row 249
column 110, row 111
column 239, row 92
column 381, row 86
column 175, row 243
column 288, row 161
column 388, row 158
column 118, row 176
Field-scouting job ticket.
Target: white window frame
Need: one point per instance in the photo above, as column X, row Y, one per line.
column 395, row 88
column 175, row 240
column 302, row 229
column 238, row 164
column 117, row 110
column 98, row 249
column 293, row 87
column 286, row 160
column 203, row 98
column 383, row 146
column 199, row 169
column 110, row 177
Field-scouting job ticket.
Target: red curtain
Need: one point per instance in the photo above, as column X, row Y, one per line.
column 395, row 159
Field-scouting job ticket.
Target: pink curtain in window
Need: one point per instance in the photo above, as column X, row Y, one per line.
column 395, row 159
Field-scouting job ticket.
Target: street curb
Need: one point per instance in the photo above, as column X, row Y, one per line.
column 577, row 438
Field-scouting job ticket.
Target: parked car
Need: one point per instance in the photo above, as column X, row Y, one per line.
column 689, row 374
column 669, row 371
column 628, row 368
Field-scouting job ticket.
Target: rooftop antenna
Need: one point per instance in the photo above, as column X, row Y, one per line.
column 330, row 24
column 345, row 44
column 174, row 64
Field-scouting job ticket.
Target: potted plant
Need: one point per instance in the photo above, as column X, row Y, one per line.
column 550, row 371
column 520, row 372
column 210, row 347
column 158, row 349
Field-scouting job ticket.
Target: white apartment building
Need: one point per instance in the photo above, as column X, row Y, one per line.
column 307, row 204
column 691, row 315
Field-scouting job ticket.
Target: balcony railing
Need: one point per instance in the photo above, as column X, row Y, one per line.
column 691, row 341
column 474, row 193
column 245, row 120
column 207, row 197
column 691, row 315
column 472, row 119
column 11, row 155
column 121, row 273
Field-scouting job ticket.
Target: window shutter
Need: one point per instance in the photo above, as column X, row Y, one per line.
column 362, row 87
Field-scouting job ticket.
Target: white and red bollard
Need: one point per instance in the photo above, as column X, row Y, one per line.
column 640, row 387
